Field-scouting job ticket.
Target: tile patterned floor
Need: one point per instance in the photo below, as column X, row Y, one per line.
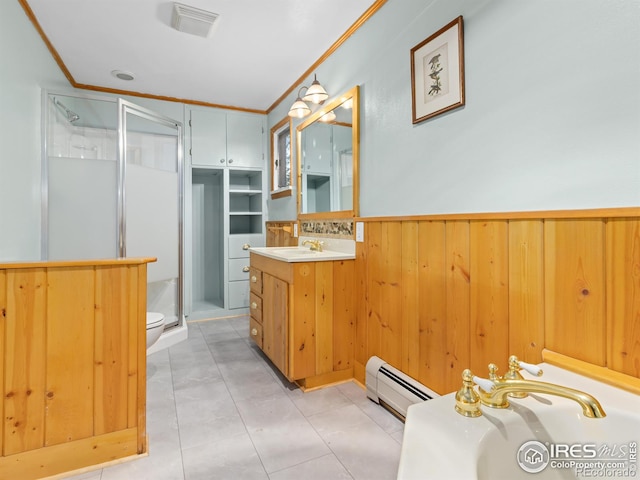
column 217, row 409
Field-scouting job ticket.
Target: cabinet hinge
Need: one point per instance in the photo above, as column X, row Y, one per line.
column 189, row 122
column 190, row 152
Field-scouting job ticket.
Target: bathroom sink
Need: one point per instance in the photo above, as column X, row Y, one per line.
column 538, row 438
column 294, row 251
column 499, row 449
column 301, row 254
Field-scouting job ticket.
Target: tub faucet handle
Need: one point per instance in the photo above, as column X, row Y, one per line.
column 467, row 400
column 493, row 368
column 515, row 365
column 487, row 385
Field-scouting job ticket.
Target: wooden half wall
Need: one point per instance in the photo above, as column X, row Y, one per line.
column 72, row 365
column 438, row 294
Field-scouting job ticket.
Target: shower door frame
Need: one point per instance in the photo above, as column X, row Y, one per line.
column 123, row 107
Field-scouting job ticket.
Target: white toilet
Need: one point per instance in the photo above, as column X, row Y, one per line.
column 155, row 326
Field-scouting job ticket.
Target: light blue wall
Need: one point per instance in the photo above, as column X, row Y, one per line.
column 27, row 69
column 552, row 117
column 27, row 66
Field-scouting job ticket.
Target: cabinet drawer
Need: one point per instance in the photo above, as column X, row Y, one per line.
column 238, row 269
column 255, row 307
column 255, row 279
column 239, row 294
column 239, row 244
column 255, row 332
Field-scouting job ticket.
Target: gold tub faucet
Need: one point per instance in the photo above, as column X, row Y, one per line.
column 494, row 391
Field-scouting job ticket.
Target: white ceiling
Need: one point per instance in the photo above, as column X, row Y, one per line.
column 257, row 51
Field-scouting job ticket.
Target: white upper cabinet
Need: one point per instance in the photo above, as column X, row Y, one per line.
column 245, row 140
column 231, row 139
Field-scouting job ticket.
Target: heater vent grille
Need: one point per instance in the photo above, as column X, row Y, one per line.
column 192, row 20
column 393, row 389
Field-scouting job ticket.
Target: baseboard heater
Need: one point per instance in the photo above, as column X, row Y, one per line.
column 392, row 389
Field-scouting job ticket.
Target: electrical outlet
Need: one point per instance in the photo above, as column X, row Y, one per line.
column 359, row 231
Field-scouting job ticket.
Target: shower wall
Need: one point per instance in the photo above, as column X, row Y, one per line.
column 82, row 187
column 82, row 203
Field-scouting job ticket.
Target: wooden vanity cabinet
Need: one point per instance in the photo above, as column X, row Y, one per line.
column 303, row 317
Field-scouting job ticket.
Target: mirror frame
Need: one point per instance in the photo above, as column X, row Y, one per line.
column 353, row 94
column 282, row 125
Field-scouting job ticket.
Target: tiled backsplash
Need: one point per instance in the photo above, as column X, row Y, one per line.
column 342, row 228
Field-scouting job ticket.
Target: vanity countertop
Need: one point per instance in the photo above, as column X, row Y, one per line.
column 302, row 254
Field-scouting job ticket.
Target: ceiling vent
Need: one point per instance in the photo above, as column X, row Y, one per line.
column 192, row 20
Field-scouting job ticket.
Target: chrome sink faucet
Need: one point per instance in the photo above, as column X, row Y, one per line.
column 493, row 392
column 316, row 245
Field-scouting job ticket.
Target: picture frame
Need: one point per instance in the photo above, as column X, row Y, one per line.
column 437, row 72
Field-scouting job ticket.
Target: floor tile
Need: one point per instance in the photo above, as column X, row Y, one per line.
column 232, row 458
column 323, row 468
column 217, row 408
column 318, row 401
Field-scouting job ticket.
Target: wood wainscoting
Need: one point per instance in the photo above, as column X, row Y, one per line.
column 280, row 233
column 438, row 294
column 72, row 365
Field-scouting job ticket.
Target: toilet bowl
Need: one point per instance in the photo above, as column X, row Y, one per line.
column 155, row 326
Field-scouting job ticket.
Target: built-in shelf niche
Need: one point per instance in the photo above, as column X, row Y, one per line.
column 245, row 202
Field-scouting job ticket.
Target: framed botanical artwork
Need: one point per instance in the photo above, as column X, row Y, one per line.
column 437, row 72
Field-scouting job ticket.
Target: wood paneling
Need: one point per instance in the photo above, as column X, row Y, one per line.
column 24, row 383
column 302, row 322
column 69, row 383
column 623, row 296
column 324, row 317
column 343, row 340
column 280, row 234
column 575, row 289
column 432, row 306
column 439, row 294
column 3, row 317
column 457, row 354
column 526, row 289
column 489, row 294
column 72, row 364
column 274, row 314
column 111, row 350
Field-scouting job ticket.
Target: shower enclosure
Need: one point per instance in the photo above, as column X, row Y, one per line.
column 112, row 181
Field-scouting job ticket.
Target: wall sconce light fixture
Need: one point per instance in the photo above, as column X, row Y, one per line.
column 315, row 93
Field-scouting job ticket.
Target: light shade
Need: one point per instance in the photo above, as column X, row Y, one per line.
column 330, row 116
column 315, row 93
column 299, row 109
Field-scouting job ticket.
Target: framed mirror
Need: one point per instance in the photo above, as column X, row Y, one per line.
column 328, row 151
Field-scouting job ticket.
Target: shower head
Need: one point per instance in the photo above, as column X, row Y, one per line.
column 71, row 115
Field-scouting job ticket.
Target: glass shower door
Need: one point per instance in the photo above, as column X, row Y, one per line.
column 150, row 203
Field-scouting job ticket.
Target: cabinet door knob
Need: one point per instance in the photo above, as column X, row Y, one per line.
column 254, row 279
column 222, row 160
column 254, row 305
column 246, row 246
column 245, row 269
column 254, row 332
column 231, row 160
